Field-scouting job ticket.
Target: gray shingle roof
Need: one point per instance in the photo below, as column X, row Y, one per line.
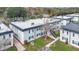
column 28, row 24
column 4, row 29
column 73, row 27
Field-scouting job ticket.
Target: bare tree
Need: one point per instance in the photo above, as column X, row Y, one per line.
column 46, row 25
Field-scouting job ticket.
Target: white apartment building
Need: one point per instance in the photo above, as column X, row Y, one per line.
column 31, row 29
column 70, row 34
column 6, row 37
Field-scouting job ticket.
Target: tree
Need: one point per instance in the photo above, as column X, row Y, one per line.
column 16, row 12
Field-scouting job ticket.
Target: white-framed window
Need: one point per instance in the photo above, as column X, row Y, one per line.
column 29, row 30
column 75, row 42
column 9, row 35
column 64, row 38
column 37, row 34
column 32, row 30
column 37, row 29
column 29, row 37
column 73, row 34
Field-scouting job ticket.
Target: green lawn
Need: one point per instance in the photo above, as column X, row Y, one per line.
column 57, row 33
column 38, row 44
column 11, row 49
column 61, row 46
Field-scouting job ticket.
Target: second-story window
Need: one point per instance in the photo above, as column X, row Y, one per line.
column 37, row 29
column 29, row 31
column 73, row 34
column 4, row 37
column 32, row 30
column 9, row 35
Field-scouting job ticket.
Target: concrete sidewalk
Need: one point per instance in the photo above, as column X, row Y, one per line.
column 46, row 47
column 49, row 44
column 18, row 45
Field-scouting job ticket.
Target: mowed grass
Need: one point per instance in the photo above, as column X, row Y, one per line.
column 57, row 33
column 11, row 49
column 38, row 44
column 61, row 46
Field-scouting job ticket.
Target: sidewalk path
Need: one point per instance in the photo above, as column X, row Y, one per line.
column 49, row 44
column 46, row 47
column 18, row 45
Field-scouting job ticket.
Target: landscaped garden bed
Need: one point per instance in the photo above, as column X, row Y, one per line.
column 38, row 44
column 61, row 46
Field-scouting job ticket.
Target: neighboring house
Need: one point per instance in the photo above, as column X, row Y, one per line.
column 75, row 16
column 70, row 34
column 64, row 19
column 6, row 37
column 31, row 29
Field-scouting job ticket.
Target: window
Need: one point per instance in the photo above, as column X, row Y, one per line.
column 73, row 34
column 3, row 36
column 9, row 35
column 46, row 32
column 32, row 30
column 64, row 38
column 37, row 34
column 78, row 43
column 37, row 29
column 41, row 33
column 29, row 38
column 75, row 42
column 32, row 36
column 29, row 31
